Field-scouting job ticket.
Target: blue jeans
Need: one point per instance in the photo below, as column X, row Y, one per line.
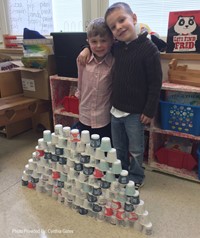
column 128, row 140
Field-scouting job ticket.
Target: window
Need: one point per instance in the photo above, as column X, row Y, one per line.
column 155, row 13
column 67, row 16
column 47, row 16
column 44, row 16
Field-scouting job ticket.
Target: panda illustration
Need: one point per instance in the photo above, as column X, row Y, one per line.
column 185, row 25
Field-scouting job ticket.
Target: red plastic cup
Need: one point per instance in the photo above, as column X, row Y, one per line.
column 97, row 173
column 115, row 205
column 120, row 214
column 55, row 175
column 31, row 185
column 132, row 216
column 108, row 211
column 39, row 151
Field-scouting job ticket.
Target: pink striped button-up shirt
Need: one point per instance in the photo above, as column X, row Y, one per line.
column 94, row 90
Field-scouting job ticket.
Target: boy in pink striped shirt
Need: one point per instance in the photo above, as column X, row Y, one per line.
column 94, row 81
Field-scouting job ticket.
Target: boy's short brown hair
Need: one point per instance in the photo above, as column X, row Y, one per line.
column 118, row 5
column 98, row 27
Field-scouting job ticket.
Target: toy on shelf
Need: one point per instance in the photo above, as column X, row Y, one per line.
column 12, row 41
column 180, row 74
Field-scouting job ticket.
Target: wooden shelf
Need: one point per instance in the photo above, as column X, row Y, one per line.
column 56, row 77
column 180, row 56
column 179, row 87
column 157, row 136
column 61, row 111
column 181, row 173
column 12, row 51
column 175, row 133
column 60, row 87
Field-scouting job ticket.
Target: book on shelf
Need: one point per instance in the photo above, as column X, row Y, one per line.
column 183, row 35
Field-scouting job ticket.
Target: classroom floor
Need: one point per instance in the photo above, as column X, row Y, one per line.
column 172, row 203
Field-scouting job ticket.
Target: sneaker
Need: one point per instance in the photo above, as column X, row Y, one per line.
column 139, row 185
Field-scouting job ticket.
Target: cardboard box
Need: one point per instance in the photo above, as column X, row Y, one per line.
column 43, row 120
column 16, row 108
column 17, row 128
column 35, row 82
column 10, row 83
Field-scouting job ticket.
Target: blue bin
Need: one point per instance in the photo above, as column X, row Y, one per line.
column 180, row 117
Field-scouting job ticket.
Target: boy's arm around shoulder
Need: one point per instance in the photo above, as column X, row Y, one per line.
column 84, row 56
column 80, row 68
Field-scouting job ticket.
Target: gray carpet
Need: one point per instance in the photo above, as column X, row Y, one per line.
column 172, row 203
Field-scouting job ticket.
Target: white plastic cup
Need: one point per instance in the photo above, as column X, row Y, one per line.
column 66, row 131
column 42, row 144
column 80, row 147
column 110, row 177
column 54, row 138
column 112, row 155
column 116, row 167
column 82, row 177
column 75, row 135
column 85, row 136
column 99, row 154
column 103, row 165
column 144, row 218
column 123, row 178
column 58, row 129
column 130, row 188
column 47, row 135
column 95, row 141
column 89, row 150
column 148, row 229
column 140, row 208
column 105, row 144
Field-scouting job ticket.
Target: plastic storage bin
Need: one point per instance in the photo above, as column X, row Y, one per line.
column 71, row 104
column 175, row 158
column 180, row 117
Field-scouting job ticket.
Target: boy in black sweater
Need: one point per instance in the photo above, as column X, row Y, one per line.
column 136, row 84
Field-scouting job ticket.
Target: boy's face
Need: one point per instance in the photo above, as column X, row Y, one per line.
column 122, row 25
column 100, row 46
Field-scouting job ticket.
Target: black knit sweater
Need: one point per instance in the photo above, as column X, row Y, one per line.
column 137, row 76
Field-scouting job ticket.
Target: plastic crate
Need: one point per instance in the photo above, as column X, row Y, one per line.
column 176, row 159
column 180, row 117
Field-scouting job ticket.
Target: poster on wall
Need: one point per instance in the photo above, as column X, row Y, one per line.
column 183, row 32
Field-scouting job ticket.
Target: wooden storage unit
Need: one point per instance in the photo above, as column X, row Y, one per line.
column 157, row 137
column 60, row 87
